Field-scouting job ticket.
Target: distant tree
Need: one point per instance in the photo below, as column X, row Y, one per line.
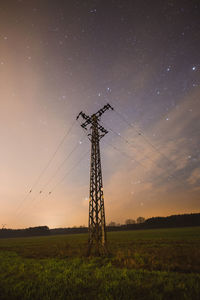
column 130, row 221
column 39, row 230
column 140, row 220
column 112, row 224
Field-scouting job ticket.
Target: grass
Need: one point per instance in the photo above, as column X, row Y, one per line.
column 144, row 264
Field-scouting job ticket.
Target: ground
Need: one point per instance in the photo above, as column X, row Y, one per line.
column 142, row 264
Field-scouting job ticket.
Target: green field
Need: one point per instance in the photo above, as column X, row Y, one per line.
column 143, row 264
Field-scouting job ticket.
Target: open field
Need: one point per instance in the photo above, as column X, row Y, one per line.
column 143, row 264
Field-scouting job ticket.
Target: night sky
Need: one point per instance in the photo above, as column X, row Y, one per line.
column 58, row 58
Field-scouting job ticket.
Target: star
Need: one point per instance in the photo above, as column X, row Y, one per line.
column 93, row 10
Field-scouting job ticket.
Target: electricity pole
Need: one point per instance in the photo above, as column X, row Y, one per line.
column 97, row 225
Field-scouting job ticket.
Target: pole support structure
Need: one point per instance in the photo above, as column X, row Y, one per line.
column 97, row 241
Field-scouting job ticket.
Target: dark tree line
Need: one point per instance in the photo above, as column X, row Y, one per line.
column 156, row 222
column 174, row 221
column 161, row 222
column 31, row 231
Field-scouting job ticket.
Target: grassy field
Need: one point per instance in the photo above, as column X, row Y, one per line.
column 143, row 264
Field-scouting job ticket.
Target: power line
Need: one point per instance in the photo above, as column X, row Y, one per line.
column 141, row 133
column 59, row 182
column 132, row 159
column 54, row 154
column 59, row 167
column 114, row 147
column 126, row 141
column 124, row 154
column 62, row 163
column 20, row 212
column 47, row 165
column 145, row 156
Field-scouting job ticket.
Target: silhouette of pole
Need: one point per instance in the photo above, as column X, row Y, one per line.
column 97, row 242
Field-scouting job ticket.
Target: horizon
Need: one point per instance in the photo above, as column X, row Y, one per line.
column 107, row 225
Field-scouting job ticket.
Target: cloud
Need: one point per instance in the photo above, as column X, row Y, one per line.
column 194, row 177
column 157, row 179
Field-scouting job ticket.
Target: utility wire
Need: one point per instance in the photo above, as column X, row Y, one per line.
column 59, row 182
column 141, row 133
column 138, row 162
column 124, row 154
column 55, row 173
column 130, row 144
column 127, row 142
column 47, row 165
column 54, row 154
column 62, row 163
